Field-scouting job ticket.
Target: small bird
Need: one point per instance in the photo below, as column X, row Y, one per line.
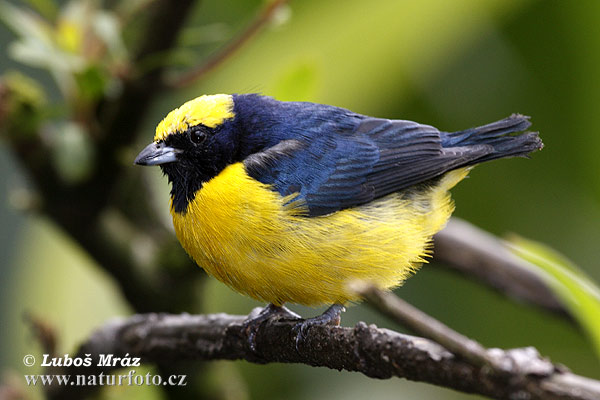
column 293, row 201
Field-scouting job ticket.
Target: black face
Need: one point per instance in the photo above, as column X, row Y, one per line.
column 204, row 153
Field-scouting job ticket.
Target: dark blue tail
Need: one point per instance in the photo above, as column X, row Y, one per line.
column 498, row 135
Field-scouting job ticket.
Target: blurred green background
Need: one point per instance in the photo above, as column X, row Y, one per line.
column 451, row 64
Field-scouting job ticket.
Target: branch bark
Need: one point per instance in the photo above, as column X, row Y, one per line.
column 377, row 353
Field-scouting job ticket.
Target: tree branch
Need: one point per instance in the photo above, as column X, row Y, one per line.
column 377, row 353
column 225, row 53
column 465, row 248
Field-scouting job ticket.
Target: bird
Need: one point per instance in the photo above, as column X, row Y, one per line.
column 293, row 202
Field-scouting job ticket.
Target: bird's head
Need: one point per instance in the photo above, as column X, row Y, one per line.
column 192, row 144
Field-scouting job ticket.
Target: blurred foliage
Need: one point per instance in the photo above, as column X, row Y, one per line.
column 80, row 45
column 22, row 103
column 579, row 294
column 450, row 64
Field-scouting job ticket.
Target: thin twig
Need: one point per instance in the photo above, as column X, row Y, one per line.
column 228, row 50
column 423, row 324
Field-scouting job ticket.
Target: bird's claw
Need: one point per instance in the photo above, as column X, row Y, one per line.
column 331, row 316
column 254, row 321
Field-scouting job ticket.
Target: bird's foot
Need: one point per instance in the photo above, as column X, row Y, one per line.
column 331, row 316
column 254, row 320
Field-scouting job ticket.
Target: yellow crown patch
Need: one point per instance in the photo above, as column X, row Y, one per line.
column 206, row 110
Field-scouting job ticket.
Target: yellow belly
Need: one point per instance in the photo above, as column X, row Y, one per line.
column 247, row 236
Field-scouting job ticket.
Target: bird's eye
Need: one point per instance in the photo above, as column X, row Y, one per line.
column 197, row 136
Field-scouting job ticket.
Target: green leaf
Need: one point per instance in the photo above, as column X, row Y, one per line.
column 575, row 289
column 91, row 83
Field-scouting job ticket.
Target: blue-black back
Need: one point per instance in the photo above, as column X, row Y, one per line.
column 335, row 159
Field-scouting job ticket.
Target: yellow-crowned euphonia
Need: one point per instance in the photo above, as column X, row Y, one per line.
column 292, row 201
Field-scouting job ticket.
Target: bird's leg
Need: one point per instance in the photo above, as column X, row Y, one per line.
column 331, row 316
column 252, row 324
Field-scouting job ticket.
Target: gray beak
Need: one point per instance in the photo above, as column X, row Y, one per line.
column 156, row 154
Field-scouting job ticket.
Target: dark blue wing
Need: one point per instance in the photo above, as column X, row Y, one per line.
column 335, row 170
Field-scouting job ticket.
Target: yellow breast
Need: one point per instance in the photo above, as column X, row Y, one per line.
column 254, row 240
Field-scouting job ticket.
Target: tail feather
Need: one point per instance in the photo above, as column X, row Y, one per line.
column 498, row 136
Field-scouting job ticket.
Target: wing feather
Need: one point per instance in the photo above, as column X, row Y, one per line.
column 336, row 169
